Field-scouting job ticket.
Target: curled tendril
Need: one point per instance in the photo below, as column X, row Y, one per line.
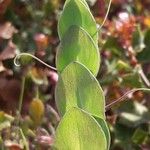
column 122, row 98
column 105, row 18
column 16, row 62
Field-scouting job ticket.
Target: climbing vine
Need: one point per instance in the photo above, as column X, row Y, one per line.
column 79, row 97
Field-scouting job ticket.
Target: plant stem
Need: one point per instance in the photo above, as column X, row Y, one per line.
column 122, row 98
column 37, row 92
column 25, row 142
column 21, row 95
column 20, row 104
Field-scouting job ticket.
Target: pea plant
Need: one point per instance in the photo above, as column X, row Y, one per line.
column 79, row 97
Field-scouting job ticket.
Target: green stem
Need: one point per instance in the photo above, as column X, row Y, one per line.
column 124, row 97
column 26, row 144
column 37, row 92
column 21, row 95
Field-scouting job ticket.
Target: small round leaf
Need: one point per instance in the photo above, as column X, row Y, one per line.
column 78, row 130
column 75, row 12
column 77, row 45
column 105, row 128
column 77, row 87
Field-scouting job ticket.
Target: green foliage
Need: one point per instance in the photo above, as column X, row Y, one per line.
column 144, row 55
column 105, row 128
column 139, row 136
column 79, row 97
column 125, row 41
column 132, row 80
column 133, row 115
column 137, row 40
column 77, row 87
column 5, row 120
column 75, row 12
column 113, row 45
column 77, row 45
column 78, row 130
column 84, row 1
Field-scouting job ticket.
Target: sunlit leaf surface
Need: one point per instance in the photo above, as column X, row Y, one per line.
column 79, row 131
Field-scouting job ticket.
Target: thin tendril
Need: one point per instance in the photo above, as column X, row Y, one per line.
column 39, row 60
column 105, row 18
column 122, row 98
column 21, row 95
column 21, row 100
column 105, row 15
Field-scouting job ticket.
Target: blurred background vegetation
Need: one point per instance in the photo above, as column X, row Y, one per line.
column 31, row 26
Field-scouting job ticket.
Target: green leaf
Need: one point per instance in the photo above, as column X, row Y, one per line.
column 147, row 38
column 137, row 40
column 84, row 2
column 4, row 125
column 77, row 87
column 77, row 45
column 132, row 80
column 123, row 135
column 26, row 60
column 2, row 116
column 132, row 114
column 75, row 12
column 5, row 120
column 112, row 45
column 129, row 119
column 78, row 130
column 144, row 55
column 104, row 126
column 139, row 136
column 122, row 65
